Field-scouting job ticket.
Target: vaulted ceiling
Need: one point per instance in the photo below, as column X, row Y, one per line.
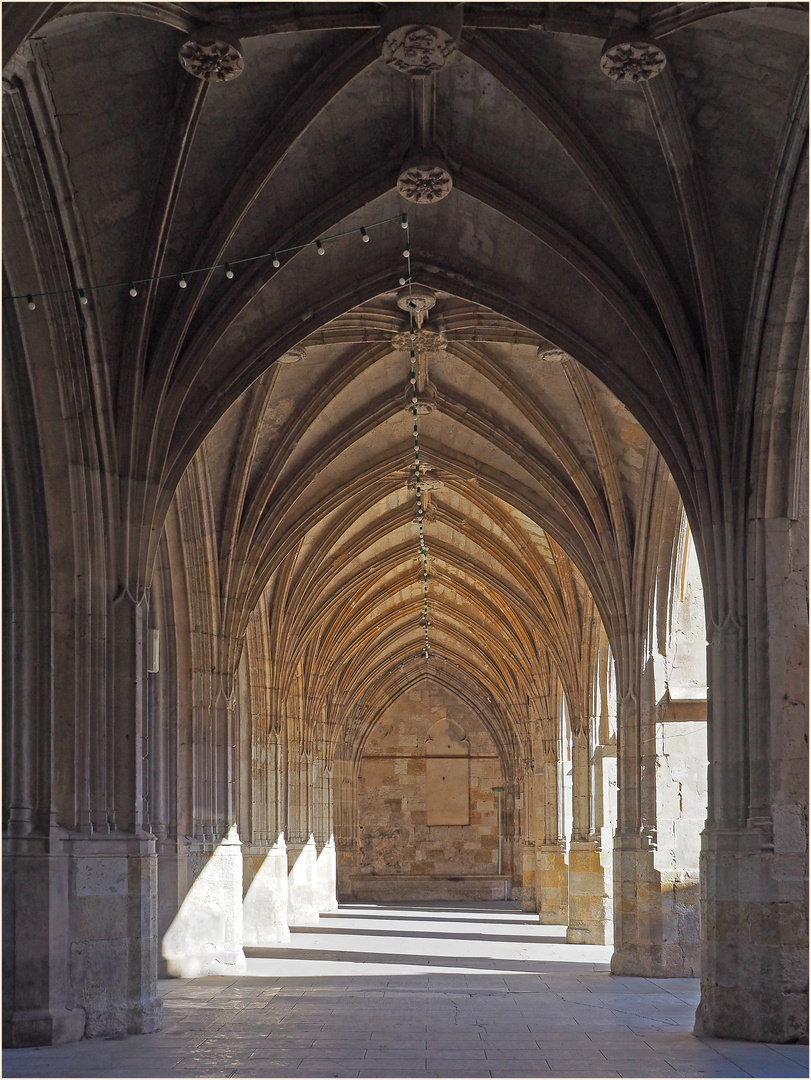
column 599, row 246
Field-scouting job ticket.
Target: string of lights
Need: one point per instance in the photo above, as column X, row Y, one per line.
column 182, row 279
column 414, row 412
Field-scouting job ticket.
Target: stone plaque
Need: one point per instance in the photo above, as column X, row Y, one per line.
column 447, row 783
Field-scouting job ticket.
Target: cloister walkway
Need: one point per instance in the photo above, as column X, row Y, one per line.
column 413, row 991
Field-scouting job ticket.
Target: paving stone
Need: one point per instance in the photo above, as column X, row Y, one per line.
column 401, row 1027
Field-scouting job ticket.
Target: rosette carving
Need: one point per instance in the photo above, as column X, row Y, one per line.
column 425, row 183
column 418, row 50
column 632, row 58
column 212, row 56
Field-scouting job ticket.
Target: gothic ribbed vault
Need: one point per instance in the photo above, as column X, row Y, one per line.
column 215, row 595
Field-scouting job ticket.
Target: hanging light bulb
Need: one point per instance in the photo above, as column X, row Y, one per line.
column 229, row 273
column 31, row 305
column 402, row 280
column 406, row 253
column 403, row 221
column 364, row 235
column 132, row 290
column 82, row 297
column 182, row 282
column 319, row 247
column 276, row 261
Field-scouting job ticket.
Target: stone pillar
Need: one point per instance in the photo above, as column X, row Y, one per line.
column 552, row 884
column 326, row 898
column 302, row 906
column 37, row 1005
column 638, row 912
column 588, row 899
column 551, row 872
column 754, row 952
column 264, row 911
column 589, row 903
column 347, row 844
column 113, row 891
column 529, row 901
column 527, row 832
column 302, row 854
column 205, row 937
column 112, row 875
column 265, row 905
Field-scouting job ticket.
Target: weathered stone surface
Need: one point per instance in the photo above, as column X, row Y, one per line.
column 552, row 885
column 302, row 889
column 265, row 906
column 206, row 935
column 590, row 904
column 326, row 878
column 405, row 755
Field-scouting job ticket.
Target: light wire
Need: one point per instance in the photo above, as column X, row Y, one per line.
column 131, row 282
column 414, row 412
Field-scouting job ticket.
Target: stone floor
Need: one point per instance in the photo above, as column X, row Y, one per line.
column 468, row 991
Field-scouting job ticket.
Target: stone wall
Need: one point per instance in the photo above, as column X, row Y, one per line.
column 393, row 796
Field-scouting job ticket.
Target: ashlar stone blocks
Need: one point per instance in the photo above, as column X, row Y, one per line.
column 206, row 935
column 264, row 911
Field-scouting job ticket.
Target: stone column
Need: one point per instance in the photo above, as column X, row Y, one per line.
column 39, row 1009
column 326, row 898
column 205, row 937
column 266, row 902
column 754, row 952
column 265, row 866
column 551, row 873
column 588, row 898
column 654, row 919
column 326, row 878
column 112, row 877
column 637, row 891
column 347, row 843
column 37, row 1005
column 302, row 855
column 528, row 827
column 302, row 859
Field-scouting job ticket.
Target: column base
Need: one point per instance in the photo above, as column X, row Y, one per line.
column 205, row 936
column 80, row 938
column 302, row 905
column 43, row 1028
column 326, row 898
column 754, row 950
column 655, row 916
column 552, row 885
column 264, row 909
column 529, row 901
column 590, row 913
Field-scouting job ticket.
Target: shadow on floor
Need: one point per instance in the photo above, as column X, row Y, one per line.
column 349, row 914
column 482, row 963
column 523, row 939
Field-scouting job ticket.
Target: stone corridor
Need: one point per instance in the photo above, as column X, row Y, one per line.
column 410, row 991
